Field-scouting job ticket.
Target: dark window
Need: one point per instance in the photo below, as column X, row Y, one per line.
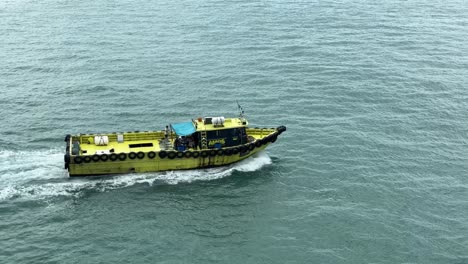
column 142, row 145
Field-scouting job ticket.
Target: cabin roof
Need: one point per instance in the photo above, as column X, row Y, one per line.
column 229, row 123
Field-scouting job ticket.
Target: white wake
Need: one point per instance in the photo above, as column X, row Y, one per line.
column 38, row 175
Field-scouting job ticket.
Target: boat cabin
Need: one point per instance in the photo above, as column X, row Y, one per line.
column 210, row 133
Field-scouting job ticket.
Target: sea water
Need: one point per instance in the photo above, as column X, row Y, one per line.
column 372, row 169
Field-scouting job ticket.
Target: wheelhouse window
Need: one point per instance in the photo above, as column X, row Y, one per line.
column 226, row 137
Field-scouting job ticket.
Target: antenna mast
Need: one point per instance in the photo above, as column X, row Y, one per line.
column 241, row 110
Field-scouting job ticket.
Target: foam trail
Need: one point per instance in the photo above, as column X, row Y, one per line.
column 23, row 166
column 38, row 175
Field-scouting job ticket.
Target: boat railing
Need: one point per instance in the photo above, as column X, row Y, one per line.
column 126, row 136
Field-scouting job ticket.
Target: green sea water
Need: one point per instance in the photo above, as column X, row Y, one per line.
column 372, row 169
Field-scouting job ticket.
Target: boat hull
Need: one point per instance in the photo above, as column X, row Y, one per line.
column 149, row 154
column 147, row 164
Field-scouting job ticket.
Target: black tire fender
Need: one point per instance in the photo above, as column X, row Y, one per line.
column 281, row 129
column 78, row 160
column 162, row 154
column 151, row 154
column 251, row 146
column 171, row 154
column 140, row 155
column 66, row 158
column 235, row 150
column 95, row 158
column 113, row 157
column 273, row 138
column 122, row 156
column 258, row 143
column 228, row 152
column 104, row 157
column 243, row 148
column 132, row 155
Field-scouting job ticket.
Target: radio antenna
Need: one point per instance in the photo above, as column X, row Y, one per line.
column 241, row 110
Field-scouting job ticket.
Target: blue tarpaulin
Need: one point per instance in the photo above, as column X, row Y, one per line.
column 183, row 129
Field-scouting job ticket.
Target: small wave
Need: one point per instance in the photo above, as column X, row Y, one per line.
column 38, row 175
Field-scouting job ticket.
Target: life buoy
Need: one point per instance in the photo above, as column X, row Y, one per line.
column 151, row 154
column 162, row 154
column 204, row 154
column 188, row 154
column 122, row 156
column 104, row 157
column 78, row 160
column 220, row 152
column 195, row 154
column 180, row 154
column 87, row 159
column 171, row 154
column 113, row 157
column 140, row 155
column 132, row 155
column 95, row 158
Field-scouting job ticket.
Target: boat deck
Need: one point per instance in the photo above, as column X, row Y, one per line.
column 126, row 147
column 140, row 141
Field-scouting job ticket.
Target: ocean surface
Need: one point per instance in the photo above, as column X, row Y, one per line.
column 372, row 169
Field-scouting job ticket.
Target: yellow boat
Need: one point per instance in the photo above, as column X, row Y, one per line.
column 201, row 143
